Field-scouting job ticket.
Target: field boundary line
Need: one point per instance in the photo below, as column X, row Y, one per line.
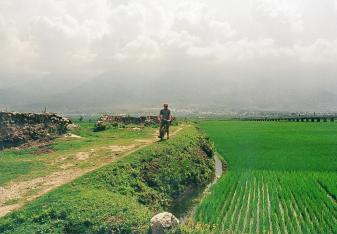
column 237, row 225
column 328, row 194
column 258, row 209
column 269, row 210
column 282, row 216
column 296, row 216
column 251, row 222
column 231, row 201
column 247, row 209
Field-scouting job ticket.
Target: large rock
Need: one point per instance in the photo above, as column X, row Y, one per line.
column 163, row 222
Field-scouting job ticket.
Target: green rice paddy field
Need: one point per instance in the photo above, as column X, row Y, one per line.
column 281, row 178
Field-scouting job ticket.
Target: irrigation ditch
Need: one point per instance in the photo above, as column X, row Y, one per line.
column 184, row 206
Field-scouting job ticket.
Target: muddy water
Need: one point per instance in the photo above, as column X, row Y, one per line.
column 218, row 167
column 183, row 207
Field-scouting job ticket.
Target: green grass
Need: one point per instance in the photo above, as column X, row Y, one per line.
column 120, row 197
column 25, row 164
column 282, row 178
column 10, row 169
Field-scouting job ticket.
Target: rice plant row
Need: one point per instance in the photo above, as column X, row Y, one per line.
column 271, row 202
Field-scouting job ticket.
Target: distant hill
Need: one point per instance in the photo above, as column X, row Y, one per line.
column 119, row 91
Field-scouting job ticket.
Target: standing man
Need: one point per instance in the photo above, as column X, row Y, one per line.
column 165, row 120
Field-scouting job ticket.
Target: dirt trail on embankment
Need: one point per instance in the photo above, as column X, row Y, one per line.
column 16, row 194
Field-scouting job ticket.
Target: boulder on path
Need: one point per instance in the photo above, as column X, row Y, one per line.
column 163, row 222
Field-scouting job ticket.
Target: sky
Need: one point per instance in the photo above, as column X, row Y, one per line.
column 239, row 54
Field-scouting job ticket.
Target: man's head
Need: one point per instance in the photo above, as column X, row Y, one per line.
column 165, row 106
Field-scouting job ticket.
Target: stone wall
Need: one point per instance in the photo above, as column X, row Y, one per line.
column 20, row 128
column 106, row 121
column 129, row 119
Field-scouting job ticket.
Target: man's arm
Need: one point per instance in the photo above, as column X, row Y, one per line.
column 170, row 116
column 160, row 116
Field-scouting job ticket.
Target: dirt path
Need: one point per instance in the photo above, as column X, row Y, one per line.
column 18, row 193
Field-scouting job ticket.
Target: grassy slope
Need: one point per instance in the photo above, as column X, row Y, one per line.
column 24, row 164
column 286, row 158
column 122, row 196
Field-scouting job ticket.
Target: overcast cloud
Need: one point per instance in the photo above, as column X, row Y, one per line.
column 262, row 50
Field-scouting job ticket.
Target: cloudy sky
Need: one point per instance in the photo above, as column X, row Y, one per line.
column 268, row 54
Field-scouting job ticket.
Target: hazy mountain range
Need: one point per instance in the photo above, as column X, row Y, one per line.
column 122, row 92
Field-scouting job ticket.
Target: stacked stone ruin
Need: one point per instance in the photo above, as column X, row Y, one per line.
column 20, row 128
column 106, row 120
column 129, row 119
